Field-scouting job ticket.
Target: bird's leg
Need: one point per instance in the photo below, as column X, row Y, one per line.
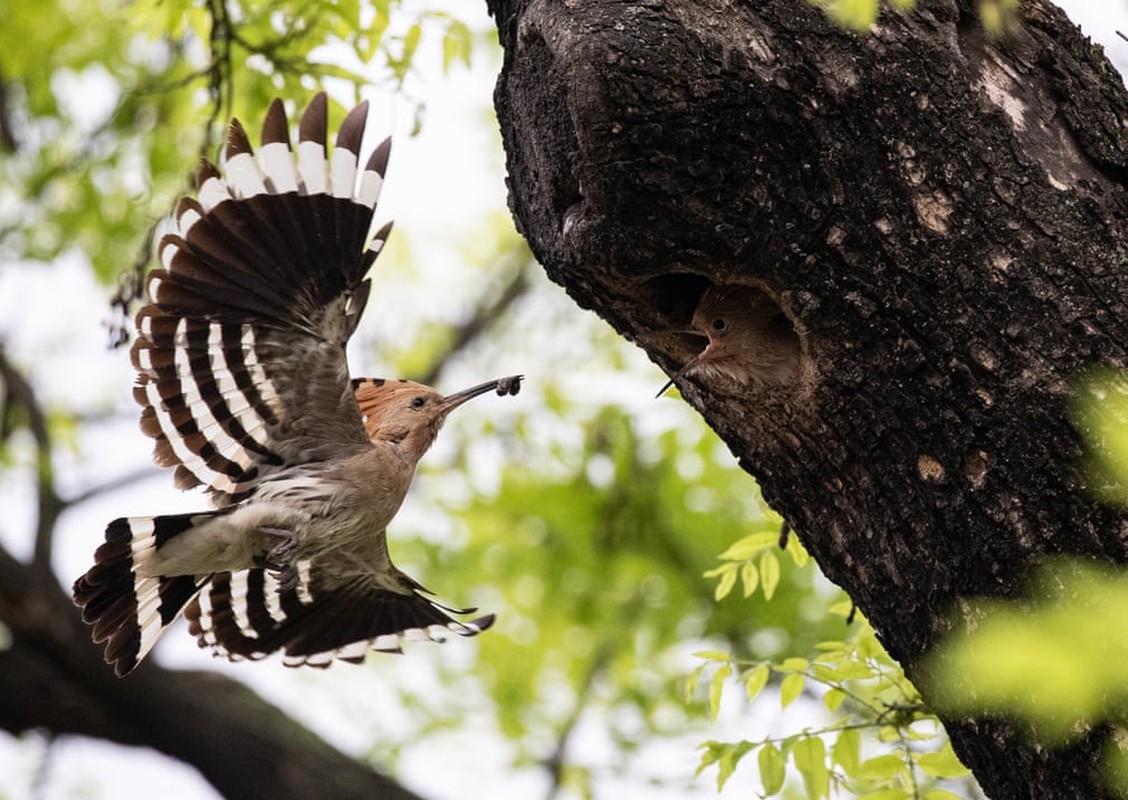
column 280, row 558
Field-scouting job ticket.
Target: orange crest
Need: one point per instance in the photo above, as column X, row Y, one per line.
column 376, row 395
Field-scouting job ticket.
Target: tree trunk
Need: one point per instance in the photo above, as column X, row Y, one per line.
column 939, row 214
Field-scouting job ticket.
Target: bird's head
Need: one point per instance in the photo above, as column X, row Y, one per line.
column 747, row 338
column 720, row 311
column 410, row 414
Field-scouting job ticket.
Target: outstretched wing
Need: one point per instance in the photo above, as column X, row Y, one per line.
column 240, row 349
column 243, row 615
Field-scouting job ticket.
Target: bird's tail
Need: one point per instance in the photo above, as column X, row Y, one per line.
column 129, row 609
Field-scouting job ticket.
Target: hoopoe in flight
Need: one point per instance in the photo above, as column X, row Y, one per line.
column 243, row 383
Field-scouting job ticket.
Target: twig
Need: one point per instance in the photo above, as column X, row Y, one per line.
column 556, row 762
column 20, row 394
column 111, row 485
column 220, row 76
column 130, row 288
column 484, row 316
column 39, row 782
column 8, row 141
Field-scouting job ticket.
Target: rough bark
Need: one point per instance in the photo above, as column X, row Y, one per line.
column 52, row 678
column 941, row 216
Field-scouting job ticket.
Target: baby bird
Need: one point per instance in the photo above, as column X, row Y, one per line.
column 749, row 339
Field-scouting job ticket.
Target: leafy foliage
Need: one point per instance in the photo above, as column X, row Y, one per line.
column 859, row 15
column 594, row 558
column 1100, row 412
column 878, row 740
column 104, row 101
column 1055, row 658
column 1056, row 661
column 856, row 15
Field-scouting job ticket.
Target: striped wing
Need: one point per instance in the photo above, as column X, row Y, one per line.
column 240, row 349
column 131, row 611
column 244, row 616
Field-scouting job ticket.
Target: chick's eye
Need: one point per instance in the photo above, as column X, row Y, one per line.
column 718, row 324
column 418, row 402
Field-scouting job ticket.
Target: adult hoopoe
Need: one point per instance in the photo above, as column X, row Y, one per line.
column 244, row 385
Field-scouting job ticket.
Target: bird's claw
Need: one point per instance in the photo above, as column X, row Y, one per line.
column 280, row 558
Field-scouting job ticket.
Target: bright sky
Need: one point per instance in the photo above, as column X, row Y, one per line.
column 453, row 166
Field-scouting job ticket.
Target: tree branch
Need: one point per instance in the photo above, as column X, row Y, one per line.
column 220, row 74
column 118, row 482
column 559, row 757
column 52, row 678
column 20, row 395
column 8, row 142
column 485, row 315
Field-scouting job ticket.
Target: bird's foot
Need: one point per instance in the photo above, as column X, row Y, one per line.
column 280, row 558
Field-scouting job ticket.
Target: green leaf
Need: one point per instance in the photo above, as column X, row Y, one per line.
column 794, row 664
column 713, row 655
column 995, row 15
column 1078, row 631
column 914, row 735
column 756, row 681
column 881, row 768
column 749, row 577
column 833, row 699
column 773, row 768
column 941, row 794
column 855, row 14
column 942, row 764
column 833, row 647
column 750, row 545
column 712, row 752
column 691, row 683
column 790, row 688
column 846, row 752
column 411, row 42
column 809, row 755
column 458, row 44
column 769, row 573
column 728, row 761
column 716, row 687
column 725, row 584
column 799, row 555
column 844, row 671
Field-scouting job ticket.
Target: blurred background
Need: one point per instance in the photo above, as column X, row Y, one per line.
column 598, row 522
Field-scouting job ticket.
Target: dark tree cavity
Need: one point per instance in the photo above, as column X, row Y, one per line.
column 940, row 215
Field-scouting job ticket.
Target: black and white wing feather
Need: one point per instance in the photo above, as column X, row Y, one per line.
column 244, row 386
column 244, row 615
column 240, row 349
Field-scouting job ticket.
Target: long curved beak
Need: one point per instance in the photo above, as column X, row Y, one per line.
column 502, row 386
column 651, row 335
column 679, row 374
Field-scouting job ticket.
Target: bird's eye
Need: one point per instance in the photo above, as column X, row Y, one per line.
column 418, row 402
column 718, row 324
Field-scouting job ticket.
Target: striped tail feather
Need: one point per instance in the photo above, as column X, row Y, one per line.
column 243, row 615
column 130, row 612
column 258, row 273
